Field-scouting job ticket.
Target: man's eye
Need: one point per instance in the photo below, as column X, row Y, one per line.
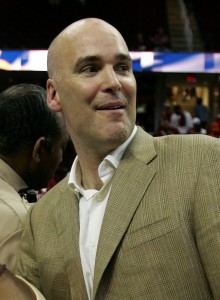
column 123, row 68
column 89, row 69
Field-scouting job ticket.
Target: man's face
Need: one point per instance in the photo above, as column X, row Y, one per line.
column 97, row 88
column 49, row 162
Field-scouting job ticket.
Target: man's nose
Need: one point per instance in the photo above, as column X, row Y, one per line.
column 110, row 80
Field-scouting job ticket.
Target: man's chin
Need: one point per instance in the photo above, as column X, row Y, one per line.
column 119, row 134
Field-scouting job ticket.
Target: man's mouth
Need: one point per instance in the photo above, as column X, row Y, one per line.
column 111, row 107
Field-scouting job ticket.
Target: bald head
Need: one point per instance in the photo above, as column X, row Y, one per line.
column 84, row 29
column 90, row 69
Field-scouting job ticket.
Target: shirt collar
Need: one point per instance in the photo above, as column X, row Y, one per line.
column 109, row 164
column 115, row 156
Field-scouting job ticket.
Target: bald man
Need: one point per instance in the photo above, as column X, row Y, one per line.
column 138, row 217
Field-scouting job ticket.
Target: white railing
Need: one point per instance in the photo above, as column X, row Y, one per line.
column 187, row 28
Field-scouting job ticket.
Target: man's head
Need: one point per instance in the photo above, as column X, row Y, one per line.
column 31, row 135
column 92, row 83
column 199, row 100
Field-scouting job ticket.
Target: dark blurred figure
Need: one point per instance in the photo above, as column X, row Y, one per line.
column 161, row 40
column 166, row 128
column 217, row 119
column 139, row 42
column 201, row 112
column 32, row 138
column 167, row 112
column 181, row 119
column 215, row 129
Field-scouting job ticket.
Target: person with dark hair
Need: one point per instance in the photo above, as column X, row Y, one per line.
column 138, row 216
column 181, row 119
column 31, row 141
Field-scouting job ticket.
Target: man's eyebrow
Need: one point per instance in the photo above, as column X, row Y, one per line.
column 86, row 59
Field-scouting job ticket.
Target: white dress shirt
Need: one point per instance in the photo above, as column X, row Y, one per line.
column 92, row 205
column 183, row 129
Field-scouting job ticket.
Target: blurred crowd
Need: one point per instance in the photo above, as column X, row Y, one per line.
column 175, row 120
column 159, row 41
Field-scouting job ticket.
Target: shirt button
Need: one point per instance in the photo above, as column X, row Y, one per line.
column 92, row 244
column 98, row 198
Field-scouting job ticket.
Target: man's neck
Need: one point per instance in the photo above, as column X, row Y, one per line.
column 92, row 183
column 89, row 173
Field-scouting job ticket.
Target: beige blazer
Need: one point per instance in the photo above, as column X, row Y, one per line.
column 160, row 237
column 12, row 214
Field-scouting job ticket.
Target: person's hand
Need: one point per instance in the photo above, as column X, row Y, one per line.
column 12, row 288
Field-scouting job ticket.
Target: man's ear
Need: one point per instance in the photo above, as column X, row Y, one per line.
column 53, row 100
column 38, row 149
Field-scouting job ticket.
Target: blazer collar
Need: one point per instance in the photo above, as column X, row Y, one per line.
column 133, row 176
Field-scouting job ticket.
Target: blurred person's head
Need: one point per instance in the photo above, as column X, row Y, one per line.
column 177, row 109
column 199, row 100
column 215, row 127
column 32, row 136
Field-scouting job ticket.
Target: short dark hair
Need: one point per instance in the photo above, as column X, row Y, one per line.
column 25, row 117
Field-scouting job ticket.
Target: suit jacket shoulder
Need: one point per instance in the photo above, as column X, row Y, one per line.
column 12, row 214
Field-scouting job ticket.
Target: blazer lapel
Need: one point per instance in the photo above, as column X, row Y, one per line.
column 68, row 228
column 133, row 176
